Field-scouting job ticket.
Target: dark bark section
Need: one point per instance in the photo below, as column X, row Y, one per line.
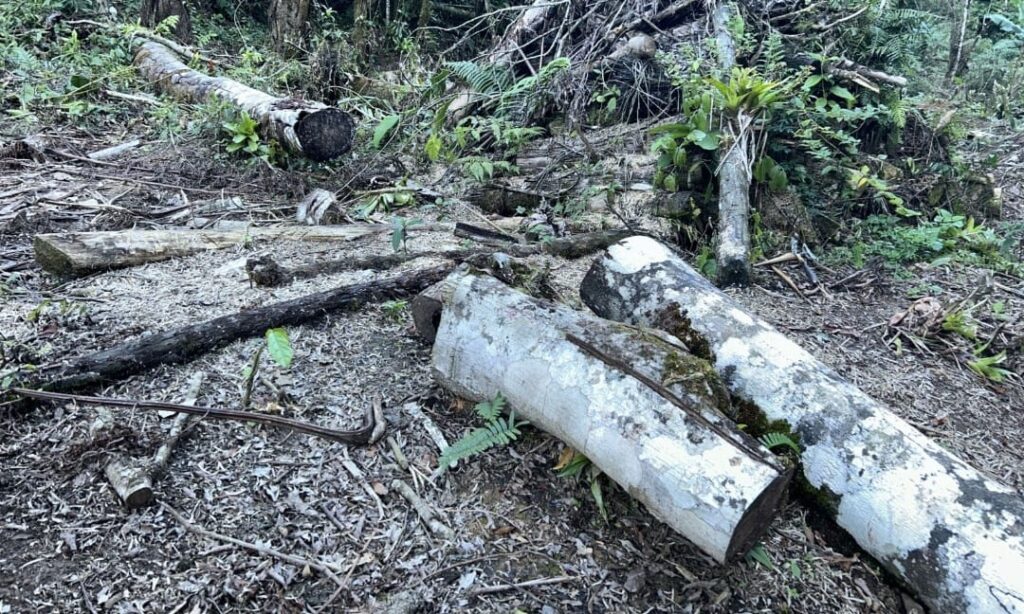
column 184, row 344
column 152, row 12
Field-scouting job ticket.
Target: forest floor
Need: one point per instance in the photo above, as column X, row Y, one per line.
column 525, row 539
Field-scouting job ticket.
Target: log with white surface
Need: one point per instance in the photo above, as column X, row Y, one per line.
column 312, row 129
column 632, row 400
column 953, row 535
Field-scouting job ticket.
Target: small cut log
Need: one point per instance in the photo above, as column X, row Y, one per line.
column 80, row 253
column 953, row 535
column 312, row 129
column 635, row 402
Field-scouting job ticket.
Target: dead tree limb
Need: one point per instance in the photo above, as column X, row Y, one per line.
column 952, row 534
column 183, row 344
column 634, row 401
column 733, row 251
column 308, row 128
column 360, row 436
column 80, row 253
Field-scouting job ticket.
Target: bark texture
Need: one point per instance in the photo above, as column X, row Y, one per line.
column 152, row 12
column 288, row 25
column 733, row 251
column 953, row 535
column 309, row 128
column 634, row 401
column 80, row 253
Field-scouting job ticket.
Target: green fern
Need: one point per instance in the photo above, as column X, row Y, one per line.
column 486, row 79
column 775, row 440
column 496, row 432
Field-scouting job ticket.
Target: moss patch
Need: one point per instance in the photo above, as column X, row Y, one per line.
column 698, row 378
column 672, row 319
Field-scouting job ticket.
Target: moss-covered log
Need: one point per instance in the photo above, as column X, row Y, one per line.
column 634, row 401
column 305, row 127
column 953, row 535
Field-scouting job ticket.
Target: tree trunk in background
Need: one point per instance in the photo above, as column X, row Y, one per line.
column 152, row 12
column 288, row 25
column 957, row 38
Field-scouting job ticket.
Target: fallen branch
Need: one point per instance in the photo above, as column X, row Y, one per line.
column 733, row 251
column 183, row 344
column 360, row 436
column 633, row 401
column 949, row 532
column 80, row 253
column 423, row 509
column 134, row 484
column 308, row 128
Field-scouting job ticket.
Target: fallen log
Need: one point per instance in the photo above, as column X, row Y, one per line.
column 953, row 535
column 635, row 402
column 309, row 128
column 80, row 253
column 733, row 250
column 265, row 271
column 183, row 344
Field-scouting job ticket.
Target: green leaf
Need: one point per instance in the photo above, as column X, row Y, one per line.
column 709, row 141
column 842, row 92
column 384, row 128
column 280, row 347
column 812, row 81
column 670, row 183
column 598, row 494
column 759, row 555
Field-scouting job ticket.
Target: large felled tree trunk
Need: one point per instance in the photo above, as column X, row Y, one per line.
column 152, row 12
column 953, row 535
column 288, row 25
column 636, row 403
column 733, row 252
column 309, row 128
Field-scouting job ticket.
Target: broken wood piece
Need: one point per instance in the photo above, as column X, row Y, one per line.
column 314, row 206
column 635, row 402
column 134, row 484
column 360, row 436
column 423, row 509
column 483, row 235
column 183, row 344
column 945, row 529
column 116, row 151
column 733, row 250
column 80, row 253
column 309, row 128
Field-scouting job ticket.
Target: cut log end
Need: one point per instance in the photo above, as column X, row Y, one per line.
column 758, row 517
column 325, row 134
column 733, row 273
column 52, row 259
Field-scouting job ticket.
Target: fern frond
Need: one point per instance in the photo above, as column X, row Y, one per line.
column 499, row 432
column 486, row 79
column 490, row 410
column 775, row 440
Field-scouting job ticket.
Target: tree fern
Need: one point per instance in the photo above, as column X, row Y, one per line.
column 497, row 431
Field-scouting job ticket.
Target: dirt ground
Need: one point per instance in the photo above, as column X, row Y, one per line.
column 524, row 538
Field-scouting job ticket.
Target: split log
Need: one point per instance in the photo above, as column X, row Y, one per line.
column 733, row 251
column 952, row 534
column 80, row 253
column 183, row 344
column 309, row 128
column 635, row 402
